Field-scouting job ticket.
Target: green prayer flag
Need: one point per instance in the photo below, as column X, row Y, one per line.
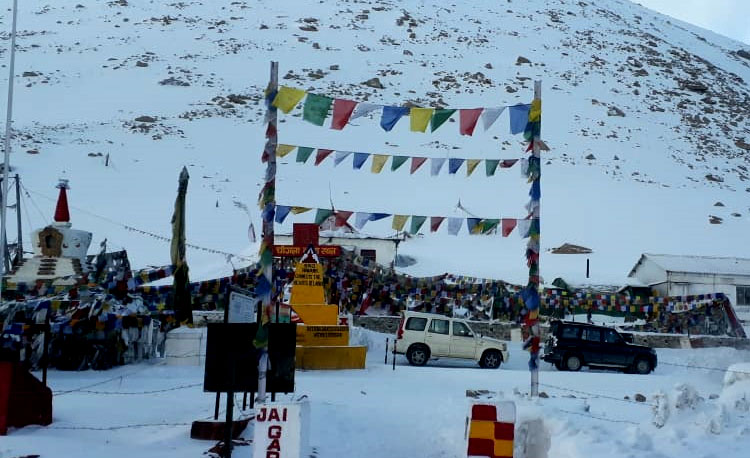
column 491, row 165
column 321, row 215
column 303, row 153
column 489, row 224
column 316, row 108
column 398, row 161
column 416, row 223
column 439, row 117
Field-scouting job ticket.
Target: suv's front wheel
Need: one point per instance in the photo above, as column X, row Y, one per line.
column 491, row 359
column 573, row 363
column 642, row 366
column 418, row 355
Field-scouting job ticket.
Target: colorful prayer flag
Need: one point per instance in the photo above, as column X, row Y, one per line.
column 359, row 160
column 519, row 117
column 472, row 223
column 420, row 118
column 282, row 150
column 439, row 118
column 490, row 115
column 535, row 112
column 341, row 217
column 321, row 215
column 298, row 210
column 391, row 115
column 397, row 162
column 281, row 212
column 435, row 222
column 342, row 111
column 340, row 156
column 378, row 161
column 454, row 164
column 416, row 162
column 491, row 166
column 363, row 109
column 321, row 155
column 360, row 219
column 303, row 153
column 416, row 223
column 398, row 222
column 454, row 225
column 436, row 164
column 316, row 108
column 468, row 118
column 287, row 98
column 507, row 163
column 507, row 226
column 471, row 164
column 489, row 225
column 523, row 227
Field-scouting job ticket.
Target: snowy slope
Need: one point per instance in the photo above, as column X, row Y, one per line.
column 87, row 69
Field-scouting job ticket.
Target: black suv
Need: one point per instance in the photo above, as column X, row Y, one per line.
column 571, row 345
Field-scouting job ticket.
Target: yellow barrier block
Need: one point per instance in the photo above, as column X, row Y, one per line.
column 503, row 448
column 318, row 314
column 482, row 429
column 322, row 336
column 331, row 358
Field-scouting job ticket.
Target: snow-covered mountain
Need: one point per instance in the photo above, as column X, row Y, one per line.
column 647, row 118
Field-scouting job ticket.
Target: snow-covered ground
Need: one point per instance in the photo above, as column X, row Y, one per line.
column 414, row 411
column 620, row 185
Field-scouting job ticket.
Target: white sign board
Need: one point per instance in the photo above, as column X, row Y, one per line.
column 281, row 430
column 242, row 308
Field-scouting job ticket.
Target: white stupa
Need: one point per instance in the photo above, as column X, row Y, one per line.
column 59, row 250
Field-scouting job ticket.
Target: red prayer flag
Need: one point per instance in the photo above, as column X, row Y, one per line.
column 468, row 119
column 435, row 222
column 341, row 217
column 507, row 163
column 321, row 155
column 416, row 162
column 508, row 224
column 342, row 111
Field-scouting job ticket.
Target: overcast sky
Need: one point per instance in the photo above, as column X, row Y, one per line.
column 727, row 17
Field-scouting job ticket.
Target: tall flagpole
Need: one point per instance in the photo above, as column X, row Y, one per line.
column 8, row 131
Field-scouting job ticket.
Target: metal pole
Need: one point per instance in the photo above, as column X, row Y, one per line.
column 536, row 148
column 19, row 247
column 8, row 133
column 386, row 351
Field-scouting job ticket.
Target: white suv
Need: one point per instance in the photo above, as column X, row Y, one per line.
column 422, row 336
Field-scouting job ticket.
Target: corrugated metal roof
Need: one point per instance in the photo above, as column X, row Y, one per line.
column 698, row 264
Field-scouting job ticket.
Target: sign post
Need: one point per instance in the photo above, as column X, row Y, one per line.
column 282, row 431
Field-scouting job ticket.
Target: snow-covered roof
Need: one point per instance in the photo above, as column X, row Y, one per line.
column 697, row 264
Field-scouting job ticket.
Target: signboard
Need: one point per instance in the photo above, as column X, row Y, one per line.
column 232, row 361
column 491, row 429
column 305, row 234
column 307, row 287
column 281, row 430
column 242, row 308
column 324, row 251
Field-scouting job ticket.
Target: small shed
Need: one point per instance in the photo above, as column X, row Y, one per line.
column 684, row 275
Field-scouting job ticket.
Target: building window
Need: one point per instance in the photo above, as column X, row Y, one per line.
column 368, row 254
column 743, row 295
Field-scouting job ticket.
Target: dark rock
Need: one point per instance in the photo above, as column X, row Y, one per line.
column 640, row 72
column 743, row 145
column 744, row 54
column 141, row 64
column 614, row 111
column 522, row 60
column 510, row 89
column 715, row 219
column 543, row 395
column 591, row 157
column 374, row 82
column 263, row 27
column 616, row 158
column 172, row 81
column 718, row 204
column 32, row 151
column 145, row 118
column 695, row 86
column 640, row 398
column 308, row 28
column 29, row 74
column 488, row 66
column 333, row 67
column 711, row 177
column 737, row 215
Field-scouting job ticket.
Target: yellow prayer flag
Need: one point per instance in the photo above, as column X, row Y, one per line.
column 282, row 150
column 298, row 210
column 420, row 118
column 535, row 114
column 378, row 161
column 399, row 221
column 471, row 164
column 287, row 98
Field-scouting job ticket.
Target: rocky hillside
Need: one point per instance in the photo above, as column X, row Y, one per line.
column 648, row 120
